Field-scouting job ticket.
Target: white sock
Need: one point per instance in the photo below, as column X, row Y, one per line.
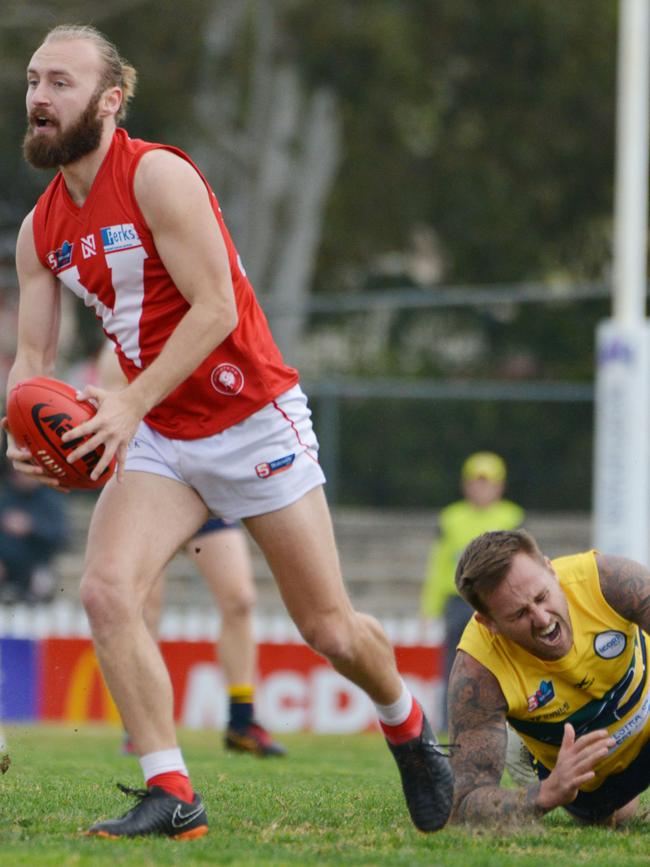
column 395, row 713
column 163, row 762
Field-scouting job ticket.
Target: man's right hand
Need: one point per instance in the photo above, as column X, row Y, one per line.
column 22, row 461
column 574, row 767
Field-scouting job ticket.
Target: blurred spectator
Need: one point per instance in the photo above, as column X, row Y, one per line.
column 8, row 330
column 33, row 528
column 483, row 479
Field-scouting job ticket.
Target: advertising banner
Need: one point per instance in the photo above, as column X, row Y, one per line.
column 71, row 684
column 18, row 679
column 297, row 690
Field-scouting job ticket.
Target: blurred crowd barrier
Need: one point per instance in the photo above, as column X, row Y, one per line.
column 383, row 555
column 48, row 670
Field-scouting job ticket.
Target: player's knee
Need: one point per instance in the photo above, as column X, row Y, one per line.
column 624, row 814
column 99, row 603
column 103, row 599
column 332, row 638
column 238, row 605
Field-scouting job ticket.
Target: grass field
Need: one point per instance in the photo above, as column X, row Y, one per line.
column 333, row 801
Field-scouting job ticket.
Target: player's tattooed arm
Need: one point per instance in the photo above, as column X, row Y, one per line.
column 626, row 587
column 477, row 714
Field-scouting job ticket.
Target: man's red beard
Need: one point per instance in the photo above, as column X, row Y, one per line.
column 67, row 146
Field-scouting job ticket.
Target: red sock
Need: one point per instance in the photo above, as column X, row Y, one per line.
column 175, row 783
column 406, row 731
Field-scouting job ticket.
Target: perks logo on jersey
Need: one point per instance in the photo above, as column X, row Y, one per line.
column 541, row 696
column 278, row 466
column 227, row 379
column 610, row 644
column 119, row 237
column 62, row 257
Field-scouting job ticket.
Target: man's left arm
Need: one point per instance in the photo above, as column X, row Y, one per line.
column 625, row 584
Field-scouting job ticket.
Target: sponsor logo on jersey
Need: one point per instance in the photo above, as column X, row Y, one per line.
column 119, row 237
column 633, row 725
column 88, row 246
column 610, row 644
column 558, row 713
column 227, row 379
column 272, row 467
column 541, row 696
column 62, row 257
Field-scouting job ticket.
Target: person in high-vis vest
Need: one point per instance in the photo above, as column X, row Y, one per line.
column 557, row 650
column 483, row 507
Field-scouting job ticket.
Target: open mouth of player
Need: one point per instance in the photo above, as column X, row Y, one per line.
column 41, row 121
column 550, row 635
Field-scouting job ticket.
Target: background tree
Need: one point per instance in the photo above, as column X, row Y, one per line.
column 363, row 145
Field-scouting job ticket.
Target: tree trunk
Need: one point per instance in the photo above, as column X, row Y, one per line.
column 271, row 152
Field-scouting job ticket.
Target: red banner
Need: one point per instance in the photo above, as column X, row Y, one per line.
column 297, row 690
column 71, row 686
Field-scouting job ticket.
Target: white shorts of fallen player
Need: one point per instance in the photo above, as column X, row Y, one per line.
column 264, row 463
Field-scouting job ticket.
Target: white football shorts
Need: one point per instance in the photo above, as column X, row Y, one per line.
column 264, row 463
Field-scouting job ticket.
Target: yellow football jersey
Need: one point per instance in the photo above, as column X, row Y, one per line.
column 600, row 683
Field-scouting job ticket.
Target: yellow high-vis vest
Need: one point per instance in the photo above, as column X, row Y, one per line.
column 460, row 522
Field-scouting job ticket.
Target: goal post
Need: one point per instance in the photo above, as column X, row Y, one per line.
column 622, row 408
column 622, row 445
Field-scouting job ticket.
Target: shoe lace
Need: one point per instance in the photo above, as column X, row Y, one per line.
column 445, row 751
column 449, row 747
column 141, row 794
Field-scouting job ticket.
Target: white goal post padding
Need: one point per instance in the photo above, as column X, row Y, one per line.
column 622, row 442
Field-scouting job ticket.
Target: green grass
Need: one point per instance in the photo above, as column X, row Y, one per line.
column 333, row 801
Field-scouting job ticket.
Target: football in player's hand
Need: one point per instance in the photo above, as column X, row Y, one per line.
column 39, row 412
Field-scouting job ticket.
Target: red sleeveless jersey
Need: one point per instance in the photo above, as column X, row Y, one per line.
column 105, row 253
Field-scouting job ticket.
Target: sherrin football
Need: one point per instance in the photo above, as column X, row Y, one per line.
column 39, row 412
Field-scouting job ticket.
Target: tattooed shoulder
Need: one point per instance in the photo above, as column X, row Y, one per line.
column 625, row 584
